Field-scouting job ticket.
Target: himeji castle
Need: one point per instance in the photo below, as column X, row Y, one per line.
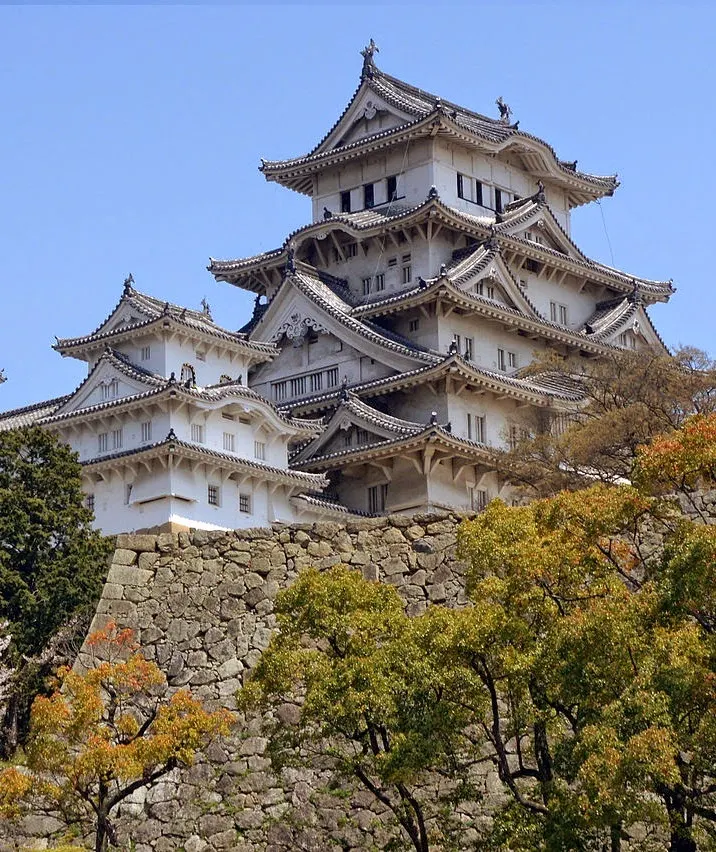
column 384, row 367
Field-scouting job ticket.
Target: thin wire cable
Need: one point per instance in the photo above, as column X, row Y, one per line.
column 606, row 233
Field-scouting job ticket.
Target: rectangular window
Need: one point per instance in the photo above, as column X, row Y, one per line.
column 229, row 442
column 501, row 363
column 351, row 250
column 316, row 381
column 348, row 438
column 407, row 274
column 460, row 186
column 558, row 313
column 197, row 433
column 478, row 499
column 146, row 430
column 332, row 377
column 457, row 341
column 110, row 390
column 298, row 386
column 259, row 450
column 479, row 288
column 380, row 282
column 103, row 442
column 512, row 360
column 279, row 391
column 212, row 495
column 414, row 324
column 89, row 502
column 128, row 494
column 392, row 261
column 498, row 200
column 117, row 439
column 392, row 188
column 245, row 503
column 377, row 495
column 563, row 314
column 226, row 416
column 479, row 428
column 478, row 193
column 366, row 286
column 468, row 348
column 346, row 201
column 368, row 195
column 513, row 436
column 362, row 436
column 490, row 291
column 145, row 353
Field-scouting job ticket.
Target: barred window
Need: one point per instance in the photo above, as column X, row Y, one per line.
column 213, row 495
column 245, row 503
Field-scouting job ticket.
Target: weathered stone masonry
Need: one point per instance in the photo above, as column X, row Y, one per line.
column 201, row 604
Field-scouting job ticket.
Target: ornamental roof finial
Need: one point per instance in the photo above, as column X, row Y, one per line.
column 171, row 435
column 128, row 281
column 491, row 243
column 205, row 307
column 540, row 197
column 368, row 63
column 3, row 377
column 433, row 418
column 433, row 193
column 291, row 259
column 505, row 111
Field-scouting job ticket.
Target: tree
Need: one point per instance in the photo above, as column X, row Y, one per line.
column 104, row 734
column 52, row 563
column 627, row 399
column 583, row 668
column 372, row 707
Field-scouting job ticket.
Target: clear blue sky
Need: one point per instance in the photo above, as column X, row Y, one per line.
column 131, row 137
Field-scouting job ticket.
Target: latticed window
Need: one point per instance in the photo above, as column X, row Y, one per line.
column 245, row 503
column 117, row 439
column 377, row 495
column 332, row 377
column 213, row 495
column 197, row 433
column 103, row 442
column 146, row 431
column 478, row 499
column 89, row 502
column 229, row 441
column 259, row 450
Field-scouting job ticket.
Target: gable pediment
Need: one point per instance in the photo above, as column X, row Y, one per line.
column 366, row 115
column 493, row 280
column 541, row 228
column 105, row 383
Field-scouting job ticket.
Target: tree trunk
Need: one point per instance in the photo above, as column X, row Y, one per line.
column 102, row 833
column 615, row 833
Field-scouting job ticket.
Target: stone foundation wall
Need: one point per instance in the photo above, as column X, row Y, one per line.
column 201, row 604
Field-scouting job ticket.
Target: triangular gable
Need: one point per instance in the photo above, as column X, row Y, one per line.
column 110, row 379
column 491, row 271
column 303, row 304
column 366, row 114
column 538, row 224
column 632, row 329
column 125, row 313
column 355, row 424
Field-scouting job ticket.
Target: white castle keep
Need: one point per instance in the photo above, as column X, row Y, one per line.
column 383, row 368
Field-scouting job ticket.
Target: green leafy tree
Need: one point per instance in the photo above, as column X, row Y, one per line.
column 371, row 698
column 52, row 563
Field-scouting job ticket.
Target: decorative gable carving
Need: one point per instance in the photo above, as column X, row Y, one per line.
column 297, row 327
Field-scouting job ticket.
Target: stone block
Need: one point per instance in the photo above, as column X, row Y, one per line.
column 124, row 557
column 129, row 575
column 140, row 543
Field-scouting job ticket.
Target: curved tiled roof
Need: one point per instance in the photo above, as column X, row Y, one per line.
column 16, row 418
column 171, row 442
column 327, row 299
column 480, row 226
column 429, row 434
column 209, row 393
column 153, row 310
column 421, row 105
column 372, row 415
column 324, row 504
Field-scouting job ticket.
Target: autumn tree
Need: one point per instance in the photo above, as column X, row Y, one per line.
column 52, row 563
column 103, row 734
column 627, row 399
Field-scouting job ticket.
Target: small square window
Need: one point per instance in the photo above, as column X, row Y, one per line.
column 414, row 324
column 213, row 495
column 245, row 503
column 351, row 250
column 392, row 261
